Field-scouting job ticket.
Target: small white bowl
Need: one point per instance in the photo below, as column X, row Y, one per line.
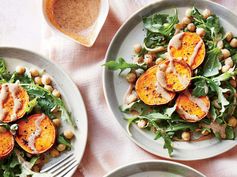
column 103, row 13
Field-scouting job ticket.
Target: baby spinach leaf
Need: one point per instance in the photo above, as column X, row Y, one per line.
column 121, row 64
column 212, row 63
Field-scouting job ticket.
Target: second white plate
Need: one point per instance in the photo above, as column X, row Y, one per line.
column 115, row 87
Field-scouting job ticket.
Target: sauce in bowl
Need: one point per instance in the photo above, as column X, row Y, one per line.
column 75, row 18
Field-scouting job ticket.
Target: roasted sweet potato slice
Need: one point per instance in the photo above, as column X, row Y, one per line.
column 6, row 144
column 13, row 102
column 150, row 91
column 188, row 46
column 36, row 134
column 174, row 75
column 192, row 109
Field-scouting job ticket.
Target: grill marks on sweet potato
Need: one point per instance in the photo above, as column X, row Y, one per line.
column 6, row 144
column 148, row 90
column 28, row 127
column 191, row 49
column 192, row 109
column 7, row 104
column 177, row 75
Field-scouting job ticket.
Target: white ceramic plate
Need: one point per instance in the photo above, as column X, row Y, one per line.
column 114, row 86
column 155, row 168
column 65, row 85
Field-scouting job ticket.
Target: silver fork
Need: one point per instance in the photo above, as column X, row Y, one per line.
column 62, row 167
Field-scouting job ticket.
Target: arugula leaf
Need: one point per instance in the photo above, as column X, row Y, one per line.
column 212, row 63
column 62, row 140
column 230, row 134
column 121, row 64
column 161, row 23
column 200, row 89
column 169, row 111
column 47, row 102
column 160, row 28
column 225, row 76
column 31, row 105
column 155, row 116
column 137, row 106
column 153, row 40
column 182, row 126
column 3, row 67
column 214, row 31
column 214, row 86
column 213, row 112
column 168, row 143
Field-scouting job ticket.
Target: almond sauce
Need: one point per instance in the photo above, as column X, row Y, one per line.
column 75, row 18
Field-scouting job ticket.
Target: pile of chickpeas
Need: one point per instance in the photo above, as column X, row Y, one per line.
column 45, row 81
column 149, row 58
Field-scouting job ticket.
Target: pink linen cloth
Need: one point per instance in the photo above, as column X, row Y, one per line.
column 108, row 147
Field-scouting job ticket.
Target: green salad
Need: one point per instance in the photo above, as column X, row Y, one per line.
column 182, row 78
column 31, row 113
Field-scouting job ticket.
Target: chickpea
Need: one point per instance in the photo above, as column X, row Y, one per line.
column 56, row 93
column 225, row 53
column 20, row 69
column 220, row 44
column 141, row 123
column 68, row 134
column 148, row 59
column 186, row 20
column 137, row 48
column 34, row 72
column 186, row 136
column 229, row 36
column 188, row 13
column 131, row 77
column 206, row 13
column 229, row 61
column 225, row 68
column 138, row 60
column 201, row 32
column 2, row 129
column 191, row 27
column 48, row 87
column 205, row 132
column 233, row 83
column 232, row 122
column 46, row 80
column 61, row 147
column 38, row 80
column 36, row 168
column 54, row 153
column 57, row 122
column 162, row 67
column 233, row 43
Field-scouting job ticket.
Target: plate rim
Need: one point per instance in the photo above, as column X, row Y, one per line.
column 58, row 67
column 105, row 86
column 153, row 161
